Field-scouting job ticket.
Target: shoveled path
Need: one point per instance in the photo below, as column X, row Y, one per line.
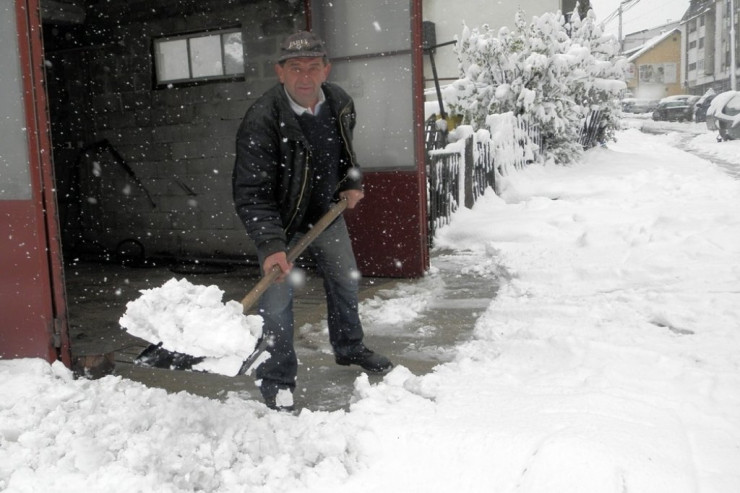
column 454, row 297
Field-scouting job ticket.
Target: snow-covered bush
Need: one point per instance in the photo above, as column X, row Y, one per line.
column 603, row 70
column 536, row 69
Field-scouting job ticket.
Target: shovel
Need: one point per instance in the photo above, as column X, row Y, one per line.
column 156, row 356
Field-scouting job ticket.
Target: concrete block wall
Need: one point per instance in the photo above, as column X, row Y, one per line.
column 179, row 141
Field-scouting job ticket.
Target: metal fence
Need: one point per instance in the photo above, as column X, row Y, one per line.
column 592, row 132
column 460, row 173
column 443, row 182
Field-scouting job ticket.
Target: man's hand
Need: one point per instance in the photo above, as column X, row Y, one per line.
column 352, row 197
column 279, row 259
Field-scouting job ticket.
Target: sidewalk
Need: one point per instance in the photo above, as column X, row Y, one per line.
column 97, row 296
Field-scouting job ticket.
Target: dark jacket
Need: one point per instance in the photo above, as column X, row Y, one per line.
column 273, row 177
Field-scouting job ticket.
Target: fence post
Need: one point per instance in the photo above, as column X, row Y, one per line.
column 469, row 167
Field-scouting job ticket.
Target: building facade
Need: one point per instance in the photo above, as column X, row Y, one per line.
column 707, row 49
column 655, row 67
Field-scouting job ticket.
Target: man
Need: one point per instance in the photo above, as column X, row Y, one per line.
column 294, row 158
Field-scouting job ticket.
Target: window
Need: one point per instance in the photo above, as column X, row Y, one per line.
column 201, row 56
column 661, row 73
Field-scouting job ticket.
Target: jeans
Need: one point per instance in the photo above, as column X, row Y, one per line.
column 335, row 261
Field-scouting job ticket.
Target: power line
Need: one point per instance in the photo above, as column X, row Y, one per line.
column 624, row 6
column 656, row 8
column 647, row 12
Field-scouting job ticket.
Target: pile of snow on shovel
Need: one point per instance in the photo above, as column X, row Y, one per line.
column 192, row 319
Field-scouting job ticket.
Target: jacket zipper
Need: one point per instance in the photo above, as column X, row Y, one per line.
column 353, row 164
column 300, row 195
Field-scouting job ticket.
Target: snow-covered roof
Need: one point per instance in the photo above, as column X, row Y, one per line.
column 652, row 43
column 634, row 41
column 696, row 8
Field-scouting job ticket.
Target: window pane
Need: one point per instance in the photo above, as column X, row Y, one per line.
column 205, row 56
column 380, row 87
column 172, row 60
column 15, row 178
column 233, row 53
column 361, row 28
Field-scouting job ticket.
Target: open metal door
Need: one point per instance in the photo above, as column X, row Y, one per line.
column 31, row 276
column 376, row 54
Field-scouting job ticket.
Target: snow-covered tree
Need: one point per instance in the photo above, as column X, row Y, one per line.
column 537, row 71
column 603, row 72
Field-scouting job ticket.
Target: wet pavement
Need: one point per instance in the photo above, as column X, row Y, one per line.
column 449, row 301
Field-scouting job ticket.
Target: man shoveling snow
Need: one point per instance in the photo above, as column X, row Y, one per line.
column 294, row 158
column 294, row 162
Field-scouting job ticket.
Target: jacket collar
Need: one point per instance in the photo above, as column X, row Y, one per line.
column 299, row 110
column 288, row 117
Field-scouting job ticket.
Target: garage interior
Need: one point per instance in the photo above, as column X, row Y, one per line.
column 143, row 169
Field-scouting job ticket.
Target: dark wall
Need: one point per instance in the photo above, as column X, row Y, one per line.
column 178, row 142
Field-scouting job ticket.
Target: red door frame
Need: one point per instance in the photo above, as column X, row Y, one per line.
column 32, row 288
column 417, row 43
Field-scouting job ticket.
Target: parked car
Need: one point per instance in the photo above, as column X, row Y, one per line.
column 723, row 115
column 637, row 105
column 676, row 110
column 689, row 98
column 702, row 105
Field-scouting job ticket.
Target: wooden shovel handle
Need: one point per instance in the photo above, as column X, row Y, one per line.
column 295, row 252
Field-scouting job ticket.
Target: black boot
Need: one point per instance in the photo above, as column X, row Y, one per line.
column 279, row 399
column 367, row 359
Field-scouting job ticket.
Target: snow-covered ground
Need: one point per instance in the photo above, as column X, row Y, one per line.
column 608, row 362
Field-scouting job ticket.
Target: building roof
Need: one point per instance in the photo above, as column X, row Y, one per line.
column 697, row 7
column 633, row 41
column 650, row 44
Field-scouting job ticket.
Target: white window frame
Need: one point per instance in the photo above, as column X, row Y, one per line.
column 201, row 56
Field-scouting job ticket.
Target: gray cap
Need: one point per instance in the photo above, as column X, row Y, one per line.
column 302, row 44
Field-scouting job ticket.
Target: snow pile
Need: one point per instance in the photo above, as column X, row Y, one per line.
column 64, row 435
column 607, row 363
column 191, row 319
column 727, row 152
column 398, row 306
column 615, row 343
